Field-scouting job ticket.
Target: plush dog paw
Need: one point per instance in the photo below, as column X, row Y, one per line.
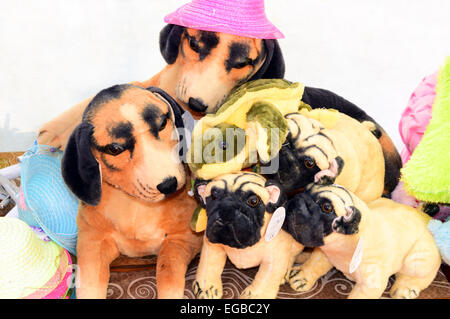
column 50, row 139
column 299, row 281
column 404, row 293
column 252, row 293
column 248, row 293
column 212, row 292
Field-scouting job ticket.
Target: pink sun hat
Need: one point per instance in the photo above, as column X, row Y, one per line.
column 245, row 18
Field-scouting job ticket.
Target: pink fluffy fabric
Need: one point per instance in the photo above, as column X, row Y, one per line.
column 417, row 115
column 413, row 123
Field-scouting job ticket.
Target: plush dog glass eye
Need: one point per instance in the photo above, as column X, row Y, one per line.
column 242, row 64
column 253, row 201
column 114, row 149
column 193, row 43
column 309, row 163
column 163, row 123
column 327, row 207
column 215, row 193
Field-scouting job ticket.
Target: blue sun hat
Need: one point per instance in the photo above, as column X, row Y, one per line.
column 44, row 200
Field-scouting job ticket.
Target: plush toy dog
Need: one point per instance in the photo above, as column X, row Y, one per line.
column 367, row 242
column 195, row 60
column 256, row 108
column 239, row 208
column 120, row 161
column 327, row 146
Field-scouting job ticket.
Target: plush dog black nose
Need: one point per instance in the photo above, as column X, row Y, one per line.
column 197, row 105
column 168, row 186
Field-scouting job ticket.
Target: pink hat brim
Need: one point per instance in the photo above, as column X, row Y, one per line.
column 220, row 18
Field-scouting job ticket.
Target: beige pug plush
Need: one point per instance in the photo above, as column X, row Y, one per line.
column 367, row 242
column 326, row 146
column 240, row 220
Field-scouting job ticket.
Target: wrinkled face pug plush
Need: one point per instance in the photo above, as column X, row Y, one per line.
column 367, row 242
column 326, row 146
column 241, row 225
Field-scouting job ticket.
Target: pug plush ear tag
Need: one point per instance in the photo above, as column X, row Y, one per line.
column 275, row 224
column 357, row 256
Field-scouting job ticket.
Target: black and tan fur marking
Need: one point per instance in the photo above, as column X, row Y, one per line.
column 345, row 152
column 118, row 126
column 214, row 63
column 321, row 98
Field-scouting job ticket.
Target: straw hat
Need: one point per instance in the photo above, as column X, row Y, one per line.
column 45, row 200
column 31, row 267
column 245, row 18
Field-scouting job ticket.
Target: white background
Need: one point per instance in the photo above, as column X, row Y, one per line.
column 56, row 53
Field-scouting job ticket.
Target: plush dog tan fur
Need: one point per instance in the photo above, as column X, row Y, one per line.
column 391, row 239
column 120, row 162
column 239, row 208
column 331, row 146
column 202, row 68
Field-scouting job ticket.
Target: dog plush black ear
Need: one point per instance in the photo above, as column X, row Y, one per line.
column 80, row 169
column 273, row 66
column 348, row 224
column 199, row 191
column 169, row 42
column 282, row 197
column 177, row 112
column 176, row 108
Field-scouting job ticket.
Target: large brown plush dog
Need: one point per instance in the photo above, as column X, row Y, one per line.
column 367, row 242
column 202, row 68
column 120, row 161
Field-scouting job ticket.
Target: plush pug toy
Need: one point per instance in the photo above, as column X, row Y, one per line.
column 255, row 117
column 367, row 242
column 240, row 223
column 325, row 146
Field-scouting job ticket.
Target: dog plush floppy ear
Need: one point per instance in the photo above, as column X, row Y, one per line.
column 273, row 66
column 169, row 42
column 177, row 111
column 80, row 169
column 277, row 196
column 199, row 191
column 329, row 175
column 349, row 223
column 177, row 118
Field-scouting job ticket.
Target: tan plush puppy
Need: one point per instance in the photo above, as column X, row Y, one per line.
column 195, row 60
column 239, row 209
column 120, row 161
column 367, row 242
column 324, row 146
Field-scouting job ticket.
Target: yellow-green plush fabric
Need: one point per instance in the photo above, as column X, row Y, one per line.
column 427, row 174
